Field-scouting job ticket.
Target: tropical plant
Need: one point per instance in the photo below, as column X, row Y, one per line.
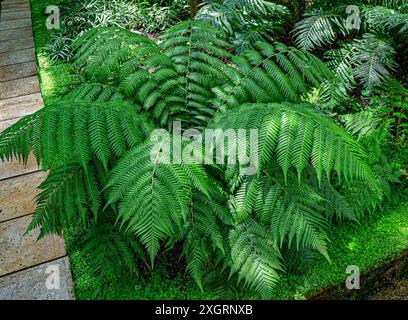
column 106, row 171
column 244, row 21
column 366, row 57
column 78, row 17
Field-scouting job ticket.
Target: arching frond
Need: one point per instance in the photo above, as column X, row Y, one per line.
column 68, row 195
column 155, row 197
column 374, row 59
column 85, row 130
column 297, row 135
column 199, row 54
column 272, row 73
column 317, row 29
column 254, row 257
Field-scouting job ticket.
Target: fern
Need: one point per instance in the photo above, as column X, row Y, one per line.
column 272, row 73
column 85, row 130
column 374, row 60
column 109, row 177
column 244, row 21
column 318, row 28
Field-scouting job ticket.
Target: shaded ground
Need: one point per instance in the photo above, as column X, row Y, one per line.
column 387, row 282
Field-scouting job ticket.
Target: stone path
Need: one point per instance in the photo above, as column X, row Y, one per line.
column 29, row 269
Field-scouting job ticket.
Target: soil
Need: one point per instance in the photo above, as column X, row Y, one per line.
column 387, row 282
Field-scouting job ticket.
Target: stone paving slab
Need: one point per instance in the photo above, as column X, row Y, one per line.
column 19, row 87
column 17, row 195
column 24, row 14
column 19, row 252
column 31, row 284
column 10, row 7
column 17, row 44
column 15, row 57
column 13, row 168
column 15, row 24
column 20, row 106
column 18, row 71
column 7, row 35
column 7, row 123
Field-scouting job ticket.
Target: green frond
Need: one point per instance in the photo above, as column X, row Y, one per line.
column 271, row 73
column 68, row 195
column 59, row 131
column 110, row 252
column 297, row 135
column 317, row 29
column 199, row 54
column 101, row 52
column 155, row 197
column 374, row 59
column 254, row 257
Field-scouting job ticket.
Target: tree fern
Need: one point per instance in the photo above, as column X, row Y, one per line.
column 110, row 175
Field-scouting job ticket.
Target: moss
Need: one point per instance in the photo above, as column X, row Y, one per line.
column 366, row 245
column 55, row 79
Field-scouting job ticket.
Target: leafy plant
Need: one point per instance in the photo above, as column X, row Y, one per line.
column 97, row 146
column 244, row 21
column 81, row 16
column 59, row 48
column 365, row 54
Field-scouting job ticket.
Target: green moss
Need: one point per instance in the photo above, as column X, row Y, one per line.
column 55, row 79
column 367, row 246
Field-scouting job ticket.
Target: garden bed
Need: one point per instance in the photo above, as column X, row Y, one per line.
column 387, row 282
column 377, row 246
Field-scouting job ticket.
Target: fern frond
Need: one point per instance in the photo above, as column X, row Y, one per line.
column 110, row 252
column 297, row 135
column 198, row 52
column 155, row 197
column 374, row 59
column 101, row 52
column 67, row 128
column 254, row 258
column 271, row 73
column 317, row 29
column 68, row 195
